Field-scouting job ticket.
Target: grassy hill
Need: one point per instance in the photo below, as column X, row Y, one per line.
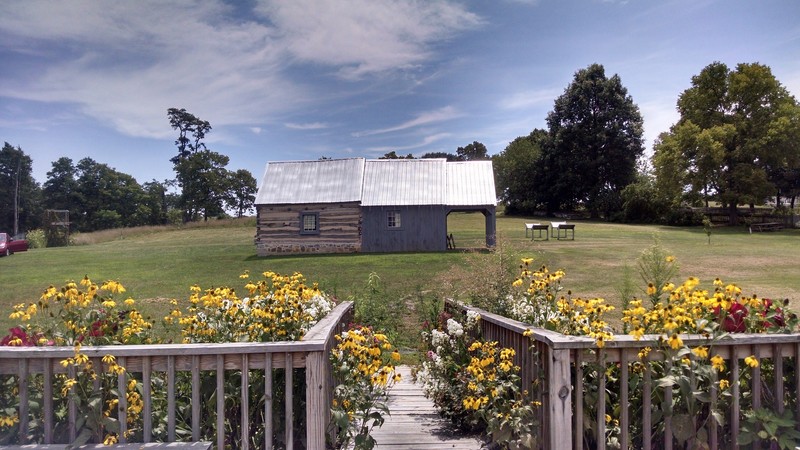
column 157, row 264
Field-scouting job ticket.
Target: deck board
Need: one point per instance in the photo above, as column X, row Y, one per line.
column 414, row 423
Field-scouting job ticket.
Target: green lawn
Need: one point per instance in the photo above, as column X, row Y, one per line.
column 159, row 265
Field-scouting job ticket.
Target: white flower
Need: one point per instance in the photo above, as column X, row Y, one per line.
column 438, row 338
column 472, row 318
column 454, row 328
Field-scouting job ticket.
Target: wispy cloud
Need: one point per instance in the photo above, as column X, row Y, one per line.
column 306, row 126
column 425, row 118
column 125, row 63
column 428, row 140
column 363, row 37
column 528, row 99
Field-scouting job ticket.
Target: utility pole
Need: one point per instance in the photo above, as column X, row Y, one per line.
column 16, row 197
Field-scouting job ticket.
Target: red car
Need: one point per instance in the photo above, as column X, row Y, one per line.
column 9, row 245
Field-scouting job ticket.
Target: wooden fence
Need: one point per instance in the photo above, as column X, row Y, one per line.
column 558, row 364
column 222, row 361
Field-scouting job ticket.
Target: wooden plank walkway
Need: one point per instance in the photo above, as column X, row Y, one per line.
column 414, row 423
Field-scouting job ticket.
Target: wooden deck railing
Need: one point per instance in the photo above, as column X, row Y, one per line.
column 559, row 361
column 218, row 360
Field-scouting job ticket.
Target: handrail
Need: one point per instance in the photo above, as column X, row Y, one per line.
column 141, row 361
column 559, row 361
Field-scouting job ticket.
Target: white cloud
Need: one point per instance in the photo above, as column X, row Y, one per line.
column 428, row 140
column 255, row 130
column 306, row 126
column 125, row 63
column 425, row 118
column 528, row 99
column 363, row 37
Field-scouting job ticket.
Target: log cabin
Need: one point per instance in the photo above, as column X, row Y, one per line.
column 369, row 205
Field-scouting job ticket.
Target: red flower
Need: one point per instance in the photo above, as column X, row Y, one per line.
column 734, row 320
column 775, row 321
column 18, row 333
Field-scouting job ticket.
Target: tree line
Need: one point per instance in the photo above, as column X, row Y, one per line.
column 737, row 142
column 98, row 196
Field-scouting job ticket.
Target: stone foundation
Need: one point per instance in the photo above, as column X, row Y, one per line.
column 285, row 248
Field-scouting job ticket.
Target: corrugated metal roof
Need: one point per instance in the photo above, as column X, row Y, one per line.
column 470, row 183
column 399, row 182
column 379, row 182
column 323, row 181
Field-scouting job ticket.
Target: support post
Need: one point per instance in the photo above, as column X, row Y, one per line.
column 317, row 409
column 559, row 400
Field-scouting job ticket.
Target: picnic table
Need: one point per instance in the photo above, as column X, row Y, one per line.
column 536, row 229
column 565, row 227
column 766, row 226
column 554, row 228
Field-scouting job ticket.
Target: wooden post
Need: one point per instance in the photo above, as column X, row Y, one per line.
column 559, row 400
column 317, row 409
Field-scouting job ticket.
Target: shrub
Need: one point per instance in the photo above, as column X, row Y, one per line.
column 36, row 238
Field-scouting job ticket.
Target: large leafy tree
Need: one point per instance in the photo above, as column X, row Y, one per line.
column 242, row 188
column 108, row 198
column 594, row 141
column 473, row 152
column 515, row 172
column 19, row 192
column 200, row 172
column 737, row 140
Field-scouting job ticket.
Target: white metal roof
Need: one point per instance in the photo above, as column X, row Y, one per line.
column 402, row 182
column 379, row 182
column 323, row 181
column 470, row 183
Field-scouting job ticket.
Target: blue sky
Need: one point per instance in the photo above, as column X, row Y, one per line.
column 302, row 79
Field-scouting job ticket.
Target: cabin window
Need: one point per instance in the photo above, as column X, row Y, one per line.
column 309, row 223
column 393, row 220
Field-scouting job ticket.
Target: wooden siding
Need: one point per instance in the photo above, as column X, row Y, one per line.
column 423, row 228
column 278, row 229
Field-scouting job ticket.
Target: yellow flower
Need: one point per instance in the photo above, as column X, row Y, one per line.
column 396, row 355
column 718, row 363
column 701, row 352
column 527, row 261
column 110, row 440
column 528, row 333
column 675, row 342
column 670, row 259
column 651, row 289
column 751, row 361
column 724, row 384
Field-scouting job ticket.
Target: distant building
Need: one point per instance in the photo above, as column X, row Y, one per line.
column 366, row 205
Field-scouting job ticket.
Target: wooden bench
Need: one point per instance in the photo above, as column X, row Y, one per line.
column 766, row 226
column 565, row 228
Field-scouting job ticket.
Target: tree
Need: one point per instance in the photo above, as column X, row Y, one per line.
column 594, row 141
column 19, row 192
column 187, row 125
column 200, row 172
column 107, row 198
column 737, row 141
column 473, row 152
column 447, row 156
column 515, row 171
column 393, row 155
column 241, row 191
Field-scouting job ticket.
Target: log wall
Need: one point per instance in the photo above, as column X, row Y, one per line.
column 278, row 229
